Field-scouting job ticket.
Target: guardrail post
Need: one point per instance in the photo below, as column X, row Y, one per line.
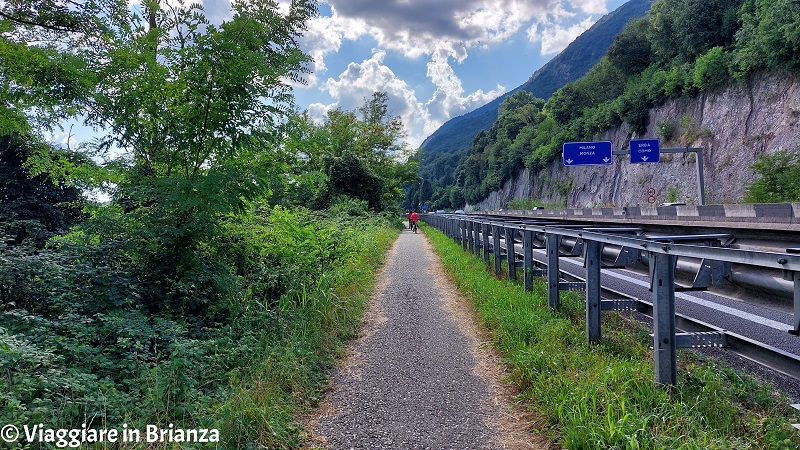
column 468, row 235
column 527, row 257
column 463, row 232
column 593, row 291
column 794, row 276
column 553, row 244
column 664, row 318
column 473, row 247
column 510, row 253
column 701, row 185
column 474, row 238
column 496, row 251
column 485, row 239
column 796, row 329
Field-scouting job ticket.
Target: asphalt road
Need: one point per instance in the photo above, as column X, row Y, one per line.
column 417, row 378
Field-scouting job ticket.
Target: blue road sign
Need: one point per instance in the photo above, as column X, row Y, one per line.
column 587, row 153
column 645, row 151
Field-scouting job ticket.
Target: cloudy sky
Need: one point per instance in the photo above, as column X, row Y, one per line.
column 437, row 59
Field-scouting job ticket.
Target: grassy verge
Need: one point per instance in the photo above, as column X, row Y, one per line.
column 290, row 370
column 604, row 396
column 248, row 367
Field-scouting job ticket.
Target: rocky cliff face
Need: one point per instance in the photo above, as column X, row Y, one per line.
column 733, row 125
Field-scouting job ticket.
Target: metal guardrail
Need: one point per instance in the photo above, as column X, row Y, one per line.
column 474, row 234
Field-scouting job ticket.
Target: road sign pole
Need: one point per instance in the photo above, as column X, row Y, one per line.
column 701, row 192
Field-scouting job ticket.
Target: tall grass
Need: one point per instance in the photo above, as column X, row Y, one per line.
column 595, row 396
column 289, row 371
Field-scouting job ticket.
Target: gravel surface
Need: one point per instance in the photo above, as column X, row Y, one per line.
column 419, row 377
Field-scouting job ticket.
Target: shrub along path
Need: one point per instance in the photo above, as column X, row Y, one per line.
column 420, row 376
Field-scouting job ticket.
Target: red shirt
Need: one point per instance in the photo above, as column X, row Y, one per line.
column 414, row 217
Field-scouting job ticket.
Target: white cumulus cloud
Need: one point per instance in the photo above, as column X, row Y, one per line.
column 442, row 32
column 556, row 38
column 449, row 99
column 360, row 80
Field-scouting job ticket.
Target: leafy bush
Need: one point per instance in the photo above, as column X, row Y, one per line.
column 711, row 69
column 78, row 340
column 780, row 178
column 523, row 203
column 769, row 36
column 666, row 129
column 634, row 107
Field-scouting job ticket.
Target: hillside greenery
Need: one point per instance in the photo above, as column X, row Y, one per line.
column 682, row 47
column 779, row 178
column 236, row 249
column 449, row 146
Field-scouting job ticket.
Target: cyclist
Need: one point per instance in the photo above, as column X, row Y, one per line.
column 414, row 220
column 409, row 218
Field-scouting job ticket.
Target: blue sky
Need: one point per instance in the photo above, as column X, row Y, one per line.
column 437, row 59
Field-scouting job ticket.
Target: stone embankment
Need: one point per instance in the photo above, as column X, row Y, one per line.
column 733, row 125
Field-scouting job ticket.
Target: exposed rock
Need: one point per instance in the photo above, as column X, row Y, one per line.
column 733, row 125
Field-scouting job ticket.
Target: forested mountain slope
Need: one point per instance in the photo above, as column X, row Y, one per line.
column 737, row 126
column 443, row 150
column 689, row 73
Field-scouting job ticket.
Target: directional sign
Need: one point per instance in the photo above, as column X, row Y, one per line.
column 645, row 151
column 587, row 153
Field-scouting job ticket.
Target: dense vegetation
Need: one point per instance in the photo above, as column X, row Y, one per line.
column 593, row 396
column 779, row 178
column 681, row 48
column 448, row 146
column 235, row 252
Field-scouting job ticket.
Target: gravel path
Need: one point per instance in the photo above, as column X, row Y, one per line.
column 419, row 377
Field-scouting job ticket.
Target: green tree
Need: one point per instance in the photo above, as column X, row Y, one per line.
column 712, row 69
column 193, row 108
column 780, row 178
column 568, row 103
column 457, row 198
column 769, row 36
column 377, row 141
column 631, row 51
column 350, row 176
column 34, row 207
column 681, row 30
column 316, row 157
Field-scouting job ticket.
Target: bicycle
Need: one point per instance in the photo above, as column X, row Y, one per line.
column 414, row 226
